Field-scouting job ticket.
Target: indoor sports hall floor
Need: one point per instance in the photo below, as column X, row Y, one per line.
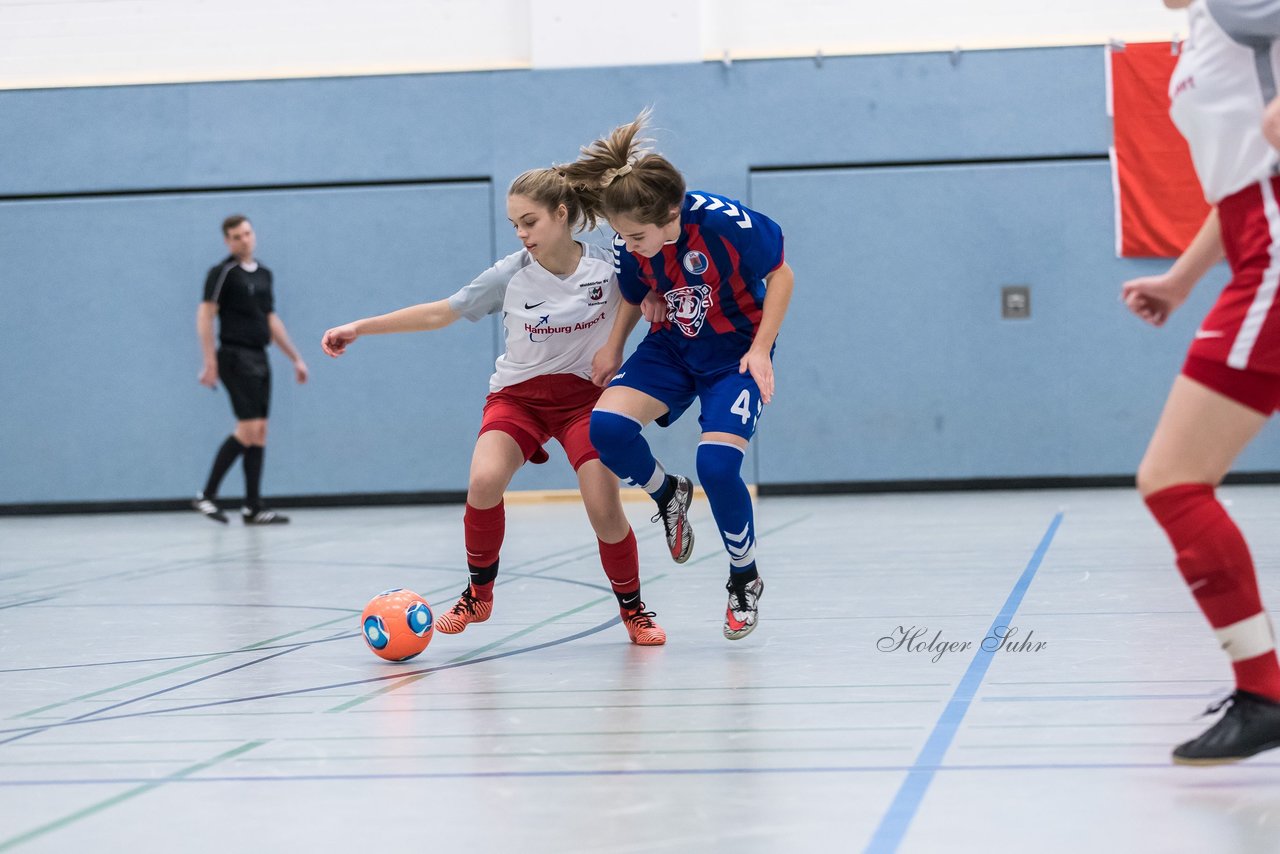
column 171, row 685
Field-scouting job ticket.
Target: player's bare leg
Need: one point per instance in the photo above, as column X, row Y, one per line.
column 1200, row 434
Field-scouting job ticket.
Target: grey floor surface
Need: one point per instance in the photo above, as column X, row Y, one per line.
column 171, row 685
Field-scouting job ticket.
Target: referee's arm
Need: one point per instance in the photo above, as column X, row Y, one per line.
column 204, row 331
column 280, row 337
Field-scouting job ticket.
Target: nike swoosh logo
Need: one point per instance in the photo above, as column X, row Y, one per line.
column 535, row 305
column 1209, row 333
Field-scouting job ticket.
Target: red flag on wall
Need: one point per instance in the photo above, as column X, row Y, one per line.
column 1159, row 203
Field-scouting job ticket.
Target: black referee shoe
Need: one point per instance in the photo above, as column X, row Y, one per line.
column 262, row 516
column 1250, row 725
column 208, row 508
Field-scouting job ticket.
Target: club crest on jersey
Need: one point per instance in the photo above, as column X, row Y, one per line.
column 595, row 293
column 695, row 262
column 687, row 307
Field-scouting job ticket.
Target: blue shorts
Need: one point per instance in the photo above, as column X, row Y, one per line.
column 730, row 401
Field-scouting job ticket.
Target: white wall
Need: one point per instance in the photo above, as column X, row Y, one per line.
column 47, row 43
column 90, row 42
column 756, row 28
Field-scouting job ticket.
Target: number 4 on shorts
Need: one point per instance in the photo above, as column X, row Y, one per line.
column 742, row 406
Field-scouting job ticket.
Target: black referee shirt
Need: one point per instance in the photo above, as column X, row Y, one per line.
column 244, row 300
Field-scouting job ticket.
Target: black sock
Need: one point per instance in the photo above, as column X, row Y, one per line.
column 667, row 492
column 226, row 457
column 482, row 575
column 628, row 601
column 253, row 477
column 742, row 579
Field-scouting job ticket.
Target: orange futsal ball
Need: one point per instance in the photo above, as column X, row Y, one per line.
column 397, row 624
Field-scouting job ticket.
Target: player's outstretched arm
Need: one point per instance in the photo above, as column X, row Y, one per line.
column 416, row 318
column 1154, row 298
column 777, row 296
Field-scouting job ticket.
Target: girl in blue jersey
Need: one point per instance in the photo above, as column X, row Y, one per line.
column 712, row 279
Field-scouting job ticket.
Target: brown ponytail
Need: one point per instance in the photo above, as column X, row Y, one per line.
column 619, row 174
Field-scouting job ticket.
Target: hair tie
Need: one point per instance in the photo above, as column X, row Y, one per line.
column 611, row 174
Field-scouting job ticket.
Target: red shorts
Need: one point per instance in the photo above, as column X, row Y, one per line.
column 1236, row 351
column 553, row 406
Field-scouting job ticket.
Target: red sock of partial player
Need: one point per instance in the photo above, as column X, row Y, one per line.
column 621, row 562
column 1215, row 562
column 483, row 531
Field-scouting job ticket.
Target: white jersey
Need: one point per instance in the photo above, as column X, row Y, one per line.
column 1224, row 79
column 553, row 325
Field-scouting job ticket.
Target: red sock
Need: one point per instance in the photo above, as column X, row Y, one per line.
column 621, row 562
column 1215, row 562
column 483, row 531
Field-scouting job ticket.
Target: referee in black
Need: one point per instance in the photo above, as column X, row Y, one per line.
column 238, row 291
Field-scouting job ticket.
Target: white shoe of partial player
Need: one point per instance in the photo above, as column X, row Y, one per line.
column 262, row 517
column 208, row 508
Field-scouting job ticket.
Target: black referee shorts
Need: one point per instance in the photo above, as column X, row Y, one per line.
column 246, row 373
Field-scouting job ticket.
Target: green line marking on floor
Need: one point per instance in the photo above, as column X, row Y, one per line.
column 58, row 824
column 177, row 669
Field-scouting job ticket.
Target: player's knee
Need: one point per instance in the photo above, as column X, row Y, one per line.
column 1146, row 481
column 485, row 488
column 609, row 522
column 1154, row 475
column 610, row 430
column 719, row 465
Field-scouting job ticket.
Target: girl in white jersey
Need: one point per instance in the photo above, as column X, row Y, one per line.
column 558, row 298
column 1223, row 91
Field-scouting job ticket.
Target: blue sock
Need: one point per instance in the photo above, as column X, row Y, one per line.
column 625, row 452
column 720, row 472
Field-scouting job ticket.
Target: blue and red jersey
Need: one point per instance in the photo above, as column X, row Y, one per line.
column 712, row 276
